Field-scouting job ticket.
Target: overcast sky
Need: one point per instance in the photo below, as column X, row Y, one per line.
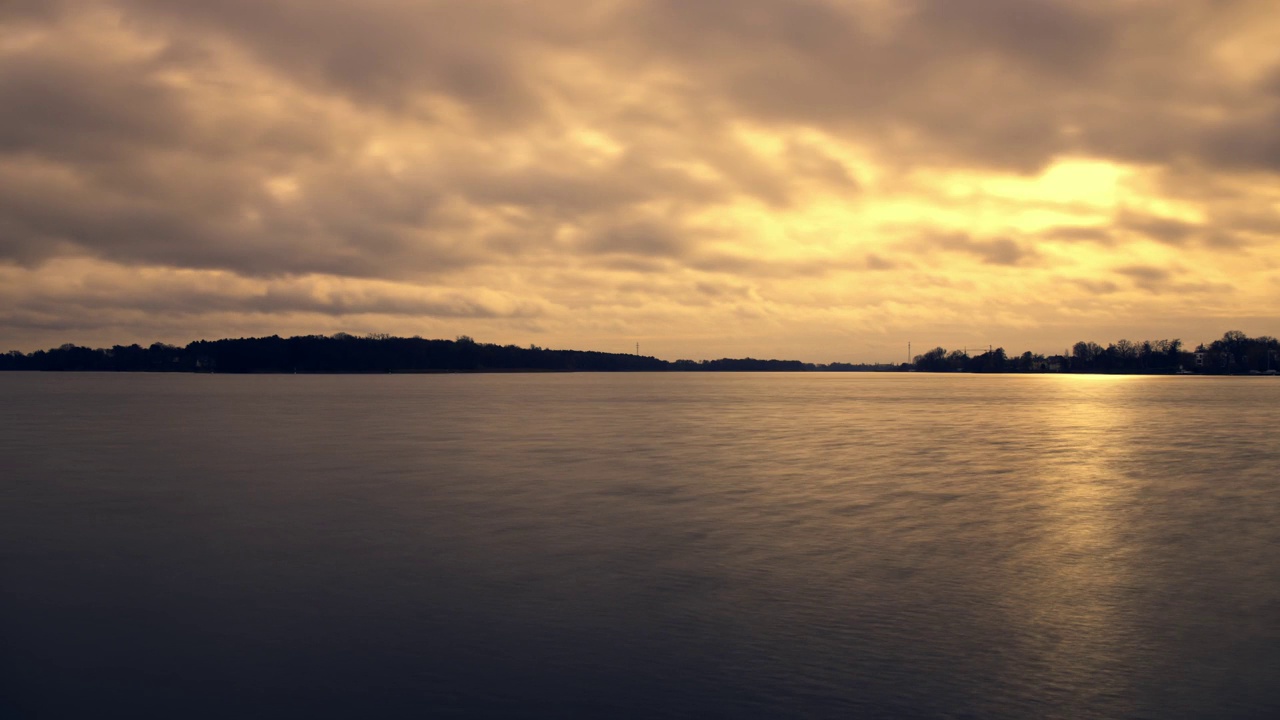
column 813, row 179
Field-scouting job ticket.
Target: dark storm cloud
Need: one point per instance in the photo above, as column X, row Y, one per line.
column 17, row 12
column 161, row 176
column 995, row 82
column 105, row 160
column 1249, row 143
column 72, row 108
column 65, row 102
column 183, row 224
column 379, row 51
column 1057, row 38
column 961, row 78
column 143, row 170
column 989, row 80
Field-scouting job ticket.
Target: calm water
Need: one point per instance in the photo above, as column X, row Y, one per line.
column 639, row 545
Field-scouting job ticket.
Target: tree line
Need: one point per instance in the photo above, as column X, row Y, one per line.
column 375, row 353
column 1235, row 353
column 340, row 353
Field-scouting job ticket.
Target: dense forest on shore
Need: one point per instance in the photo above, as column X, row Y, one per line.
column 1235, row 353
column 343, row 353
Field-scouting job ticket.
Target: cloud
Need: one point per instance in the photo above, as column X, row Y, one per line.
column 875, row 262
column 994, row 251
column 536, row 167
column 1147, row 277
column 1163, row 230
column 1079, row 233
column 637, row 239
column 1097, row 287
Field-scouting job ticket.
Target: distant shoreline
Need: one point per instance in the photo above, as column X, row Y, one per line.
column 341, row 354
column 535, row 371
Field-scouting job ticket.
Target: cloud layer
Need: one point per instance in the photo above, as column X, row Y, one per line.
column 821, row 179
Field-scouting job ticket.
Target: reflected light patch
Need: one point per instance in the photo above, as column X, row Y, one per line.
column 1097, row 379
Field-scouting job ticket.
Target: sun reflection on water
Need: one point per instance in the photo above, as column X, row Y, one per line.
column 1071, row 585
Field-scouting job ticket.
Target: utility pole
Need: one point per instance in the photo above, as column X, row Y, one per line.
column 908, row 352
column 637, row 348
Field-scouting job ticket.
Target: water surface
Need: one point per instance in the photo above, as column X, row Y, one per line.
column 645, row 545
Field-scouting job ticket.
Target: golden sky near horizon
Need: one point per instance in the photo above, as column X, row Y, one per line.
column 813, row 179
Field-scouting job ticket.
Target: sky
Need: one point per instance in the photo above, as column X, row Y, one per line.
column 824, row 180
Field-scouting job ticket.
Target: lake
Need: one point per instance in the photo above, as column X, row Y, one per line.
column 639, row 545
